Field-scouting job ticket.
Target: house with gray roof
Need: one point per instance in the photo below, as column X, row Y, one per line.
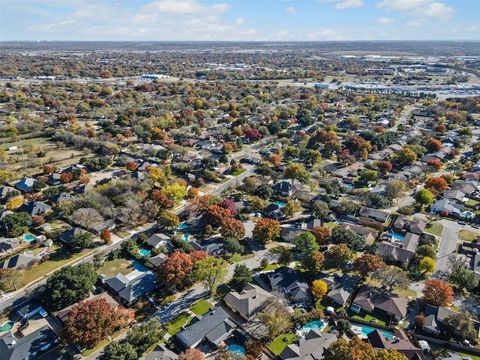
column 30, row 346
column 161, row 352
column 370, row 300
column 21, row 261
column 131, row 287
column 209, row 329
column 310, row 347
column 394, row 253
column 289, row 282
column 247, row 302
column 35, row 208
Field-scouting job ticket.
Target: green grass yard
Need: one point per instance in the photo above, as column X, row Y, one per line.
column 467, row 235
column 435, row 229
column 176, row 324
column 200, row 307
column 110, row 268
column 281, row 342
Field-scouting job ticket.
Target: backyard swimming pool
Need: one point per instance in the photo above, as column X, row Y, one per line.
column 144, row 252
column 280, row 203
column 6, row 326
column 396, row 236
column 362, row 331
column 29, row 237
column 316, row 325
column 236, row 349
column 182, row 226
column 185, row 236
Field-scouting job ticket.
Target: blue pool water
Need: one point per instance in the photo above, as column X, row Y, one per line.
column 280, row 203
column 182, row 226
column 6, row 326
column 365, row 330
column 185, row 236
column 468, row 214
column 316, row 324
column 29, row 237
column 236, row 348
column 144, row 252
column 348, row 186
column 395, row 236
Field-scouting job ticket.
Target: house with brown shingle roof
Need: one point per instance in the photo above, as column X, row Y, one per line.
column 371, row 300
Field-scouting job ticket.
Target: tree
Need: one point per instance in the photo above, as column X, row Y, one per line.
column 355, row 349
column 463, row 278
column 390, row 354
column 391, row 277
column 212, row 272
column 426, row 251
column 145, row 335
column 368, row 175
column 435, row 163
column 339, row 255
column 14, row 202
column 436, row 184
column 322, row 234
column 285, row 257
column 319, row 289
column 462, row 325
column 296, row 171
column 92, row 321
column 233, row 228
column 168, row 219
column 384, row 166
column 16, row 224
column 119, row 350
column 426, row 265
column 233, row 246
column 276, row 317
column 242, row 275
column 9, row 279
column 106, row 236
column 424, row 197
column 314, row 262
column 343, row 326
column 68, row 285
column 305, row 244
column 176, row 268
column 368, row 263
column 191, row 354
column 175, row 191
column 341, row 235
column 437, row 293
column 266, row 230
column 254, row 348
column 304, row 117
column 292, row 207
column 66, row 177
column 320, row 209
column 394, row 188
column 81, row 240
column 434, row 145
column 406, row 156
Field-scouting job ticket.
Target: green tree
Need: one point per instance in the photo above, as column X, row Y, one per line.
column 461, row 325
column 305, row 244
column 69, row 285
column 341, row 235
column 145, row 335
column 9, row 279
column 314, row 262
column 463, row 278
column 424, row 197
column 426, row 265
column 119, row 351
column 242, row 275
column 81, row 240
column 392, row 354
column 212, row 272
column 296, row 171
column 339, row 255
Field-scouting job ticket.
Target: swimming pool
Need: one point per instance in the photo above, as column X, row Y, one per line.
column 182, row 226
column 236, row 349
column 396, row 236
column 362, row 331
column 313, row 325
column 185, row 236
column 6, row 326
column 29, row 237
column 280, row 203
column 144, row 252
column 468, row 214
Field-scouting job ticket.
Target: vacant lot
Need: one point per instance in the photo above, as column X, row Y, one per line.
column 467, row 235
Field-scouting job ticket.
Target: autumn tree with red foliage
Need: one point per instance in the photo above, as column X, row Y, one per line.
column 216, row 214
column 438, row 293
column 191, row 354
column 162, row 199
column 66, row 177
column 322, row 234
column 433, row 145
column 384, row 166
column 131, row 166
column 106, row 236
column 91, row 321
column 176, row 268
column 436, row 184
column 266, row 230
column 368, row 263
column 229, row 205
column 230, row 227
column 435, row 163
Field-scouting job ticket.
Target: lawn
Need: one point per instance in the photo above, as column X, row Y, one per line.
column 121, row 233
column 281, row 342
column 270, row 267
column 60, row 257
column 238, row 172
column 435, row 229
column 176, row 324
column 200, row 307
column 467, row 235
column 103, row 343
column 367, row 317
column 110, row 268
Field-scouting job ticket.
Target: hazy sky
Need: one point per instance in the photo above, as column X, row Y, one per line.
column 239, row 19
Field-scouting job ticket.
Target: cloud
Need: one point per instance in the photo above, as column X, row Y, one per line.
column 327, row 34
column 385, row 20
column 291, row 10
column 348, row 4
column 240, row 21
column 184, row 7
column 414, row 23
column 419, row 8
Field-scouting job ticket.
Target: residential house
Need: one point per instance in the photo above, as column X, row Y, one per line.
column 35, row 208
column 26, row 185
column 9, row 245
column 373, row 300
column 435, row 320
column 380, row 216
column 131, row 287
column 284, row 188
column 401, row 343
column 158, row 240
column 21, row 261
column 210, row 329
column 6, row 192
column 289, row 282
column 310, row 347
column 31, row 346
column 71, row 233
column 368, row 235
column 274, row 211
column 406, row 225
column 446, row 205
column 247, row 302
column 28, row 309
column 157, row 260
column 455, row 195
column 212, row 246
column 394, row 253
column 161, row 352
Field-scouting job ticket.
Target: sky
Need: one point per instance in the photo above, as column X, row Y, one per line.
column 239, row 20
